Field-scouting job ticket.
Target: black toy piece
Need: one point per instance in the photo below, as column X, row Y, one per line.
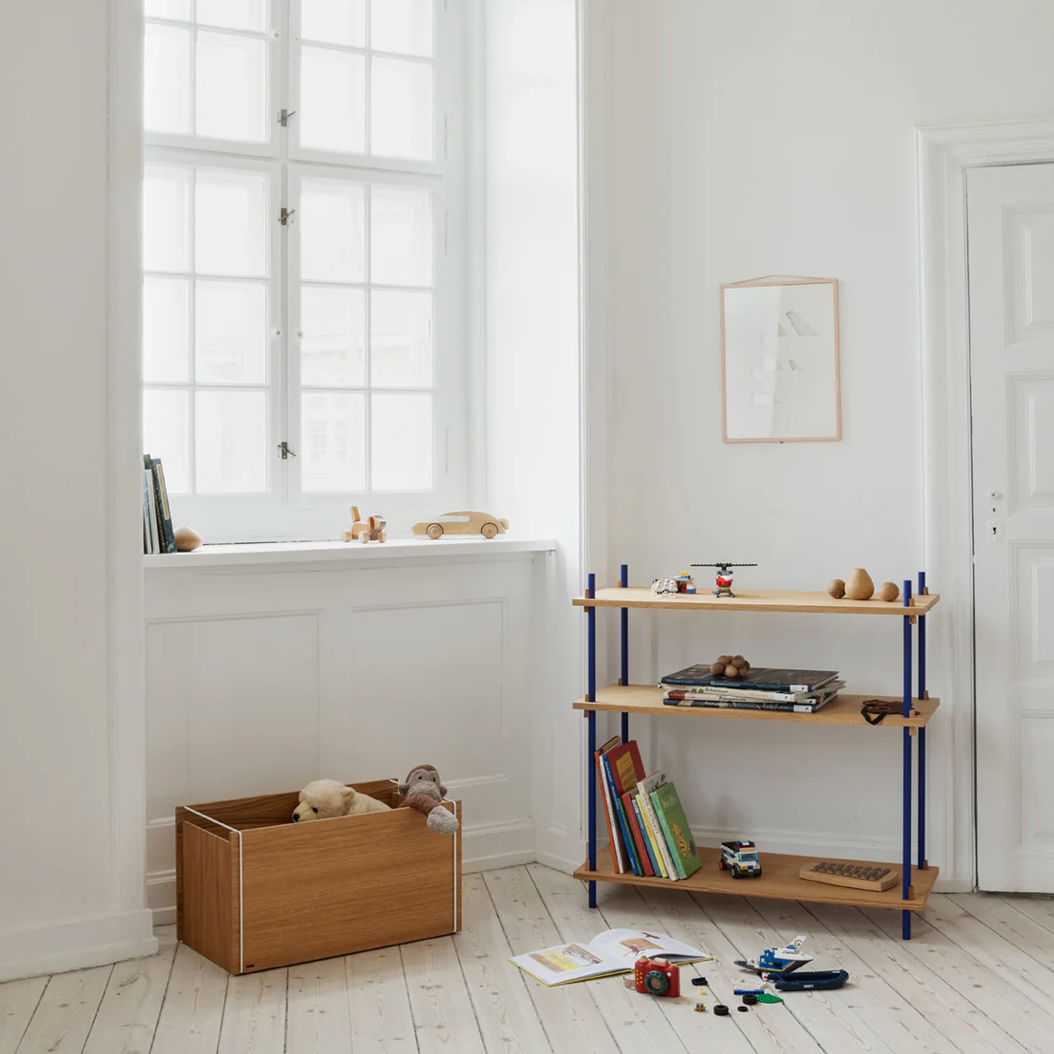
column 721, row 1010
column 749, row 999
column 699, row 982
column 743, row 1009
column 724, row 576
column 808, row 980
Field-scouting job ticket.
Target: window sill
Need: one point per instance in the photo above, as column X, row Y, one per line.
column 344, row 553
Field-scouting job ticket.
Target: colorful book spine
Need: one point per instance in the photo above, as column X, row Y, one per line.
column 675, row 827
column 752, row 704
column 609, row 814
column 643, row 845
column 660, row 838
column 155, row 545
column 168, row 538
column 748, row 693
column 653, row 845
column 627, row 839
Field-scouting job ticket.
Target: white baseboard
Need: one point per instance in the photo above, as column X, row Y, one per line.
column 74, row 944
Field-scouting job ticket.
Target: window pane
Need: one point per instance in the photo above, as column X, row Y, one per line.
column 166, row 330
column 166, row 80
column 401, row 340
column 402, row 26
column 334, row 21
column 332, row 100
column 401, row 236
column 166, row 434
column 230, row 440
column 166, row 218
column 231, row 86
column 332, row 221
column 234, row 14
column 332, row 349
column 332, row 443
column 231, row 223
column 168, row 9
column 401, row 441
column 401, row 109
column 231, row 340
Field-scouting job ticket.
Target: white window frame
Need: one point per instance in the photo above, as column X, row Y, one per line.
column 284, row 513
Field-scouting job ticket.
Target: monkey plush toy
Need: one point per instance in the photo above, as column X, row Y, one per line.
column 423, row 791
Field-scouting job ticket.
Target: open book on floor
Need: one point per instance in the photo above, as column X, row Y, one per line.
column 611, row 952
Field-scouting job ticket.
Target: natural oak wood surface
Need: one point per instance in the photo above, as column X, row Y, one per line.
column 845, row 710
column 818, row 603
column 209, row 866
column 779, row 878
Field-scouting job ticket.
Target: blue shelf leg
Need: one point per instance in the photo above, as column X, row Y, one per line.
column 906, row 855
column 591, row 695
column 624, row 676
column 922, row 732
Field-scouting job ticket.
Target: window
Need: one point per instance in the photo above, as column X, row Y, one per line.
column 304, row 271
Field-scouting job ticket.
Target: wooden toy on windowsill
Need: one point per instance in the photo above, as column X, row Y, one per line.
column 371, row 530
column 462, row 523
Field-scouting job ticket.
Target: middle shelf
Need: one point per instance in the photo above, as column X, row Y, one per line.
column 845, row 710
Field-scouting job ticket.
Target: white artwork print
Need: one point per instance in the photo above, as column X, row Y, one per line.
column 781, row 361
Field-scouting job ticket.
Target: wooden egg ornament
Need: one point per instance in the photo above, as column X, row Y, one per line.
column 858, row 586
column 836, row 587
column 888, row 592
column 731, row 671
column 187, row 539
column 729, row 666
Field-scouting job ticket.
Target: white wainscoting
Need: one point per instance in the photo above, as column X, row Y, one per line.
column 261, row 678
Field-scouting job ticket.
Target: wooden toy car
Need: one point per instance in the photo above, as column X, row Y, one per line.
column 371, row 530
column 462, row 523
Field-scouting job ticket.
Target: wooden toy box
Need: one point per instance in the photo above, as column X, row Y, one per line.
column 255, row 891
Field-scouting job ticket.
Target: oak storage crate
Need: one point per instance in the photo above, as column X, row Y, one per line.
column 255, row 891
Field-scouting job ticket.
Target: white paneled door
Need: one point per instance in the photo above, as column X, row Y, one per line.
column 1011, row 254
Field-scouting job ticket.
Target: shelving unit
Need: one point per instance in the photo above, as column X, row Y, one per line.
column 780, row 877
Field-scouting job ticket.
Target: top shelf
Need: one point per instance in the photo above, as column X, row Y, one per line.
column 754, row 600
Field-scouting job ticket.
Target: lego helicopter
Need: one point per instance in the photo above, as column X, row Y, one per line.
column 724, row 576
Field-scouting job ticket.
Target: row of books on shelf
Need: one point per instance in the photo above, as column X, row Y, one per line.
column 647, row 828
column 158, row 536
column 764, row 688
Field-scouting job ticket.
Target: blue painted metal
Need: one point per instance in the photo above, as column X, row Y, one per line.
column 922, row 731
column 591, row 621
column 624, row 676
column 905, row 923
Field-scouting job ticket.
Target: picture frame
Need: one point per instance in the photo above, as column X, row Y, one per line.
column 780, row 360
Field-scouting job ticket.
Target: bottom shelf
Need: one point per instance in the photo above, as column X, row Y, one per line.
column 779, row 880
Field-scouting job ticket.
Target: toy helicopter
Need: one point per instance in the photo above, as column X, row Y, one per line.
column 724, row 576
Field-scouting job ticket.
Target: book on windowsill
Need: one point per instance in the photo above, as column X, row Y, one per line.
column 761, row 678
column 611, row 952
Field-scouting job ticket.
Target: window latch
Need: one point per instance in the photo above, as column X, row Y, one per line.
column 283, row 117
column 285, row 216
column 284, row 451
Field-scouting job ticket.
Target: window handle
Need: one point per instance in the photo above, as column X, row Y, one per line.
column 284, row 451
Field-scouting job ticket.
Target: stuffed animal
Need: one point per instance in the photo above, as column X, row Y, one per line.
column 324, row 799
column 423, row 791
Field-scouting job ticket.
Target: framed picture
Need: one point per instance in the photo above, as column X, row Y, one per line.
column 779, row 360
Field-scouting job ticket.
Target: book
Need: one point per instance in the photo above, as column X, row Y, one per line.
column 643, row 803
column 611, row 952
column 675, row 827
column 767, row 679
column 609, row 811
column 638, row 836
column 647, row 787
column 749, row 693
column 150, row 510
column 623, row 826
column 626, row 769
column 721, row 703
column 164, row 513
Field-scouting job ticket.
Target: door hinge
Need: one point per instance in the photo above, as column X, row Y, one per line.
column 284, row 451
column 283, row 117
column 285, row 216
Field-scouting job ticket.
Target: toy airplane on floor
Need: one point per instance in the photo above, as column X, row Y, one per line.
column 778, row 960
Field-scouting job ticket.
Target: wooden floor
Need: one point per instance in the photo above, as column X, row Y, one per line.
column 977, row 978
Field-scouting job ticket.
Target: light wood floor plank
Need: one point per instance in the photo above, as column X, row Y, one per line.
column 975, row 981
column 317, row 1017
column 504, row 1011
column 1039, row 909
column 18, row 1000
column 381, row 1020
column 64, row 1015
column 640, row 1023
column 444, row 1022
column 193, row 1009
column 966, row 1027
column 131, row 1006
column 254, row 1014
column 569, row 1015
column 1004, row 916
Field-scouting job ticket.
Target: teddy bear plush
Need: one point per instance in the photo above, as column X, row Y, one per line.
column 423, row 791
column 325, row 799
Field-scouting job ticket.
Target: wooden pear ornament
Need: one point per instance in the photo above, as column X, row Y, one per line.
column 858, row 586
column 836, row 587
column 887, row 591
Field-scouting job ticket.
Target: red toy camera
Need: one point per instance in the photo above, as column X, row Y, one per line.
column 657, row 977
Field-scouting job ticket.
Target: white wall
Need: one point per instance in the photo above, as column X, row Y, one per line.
column 751, row 139
column 65, row 899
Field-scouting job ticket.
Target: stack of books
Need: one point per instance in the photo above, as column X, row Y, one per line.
column 647, row 828
column 760, row 688
column 157, row 517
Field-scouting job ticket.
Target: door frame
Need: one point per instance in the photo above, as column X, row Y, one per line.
column 945, row 154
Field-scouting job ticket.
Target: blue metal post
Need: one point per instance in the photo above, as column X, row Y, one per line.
column 591, row 695
column 922, row 730
column 906, row 874
column 624, row 676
